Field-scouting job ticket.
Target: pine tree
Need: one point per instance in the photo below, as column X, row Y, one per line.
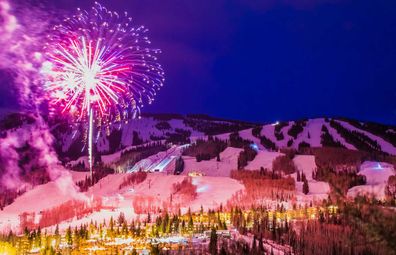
column 305, row 187
column 57, row 230
column 38, row 237
column 190, row 221
column 121, row 218
column 303, row 177
column 179, row 165
column 111, row 225
column 124, row 228
column 68, row 237
column 254, row 246
column 223, row 251
column 261, row 249
column 213, row 242
column 76, row 236
column 57, row 237
column 155, row 250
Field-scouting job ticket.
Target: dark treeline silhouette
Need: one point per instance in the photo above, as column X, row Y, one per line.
column 205, row 149
column 99, row 172
column 267, row 143
column 386, row 132
column 133, row 178
column 261, row 186
column 284, row 164
column 357, row 139
column 296, row 128
column 327, row 140
column 245, row 156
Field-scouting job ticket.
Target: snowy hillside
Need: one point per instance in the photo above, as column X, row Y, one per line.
column 377, row 174
column 160, row 127
column 318, row 190
column 228, row 162
column 178, row 129
column 328, row 132
column 200, row 152
column 156, row 188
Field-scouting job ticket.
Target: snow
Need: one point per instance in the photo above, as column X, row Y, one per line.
column 311, row 133
column 108, row 185
column 317, row 190
column 269, row 132
column 214, row 188
column 145, row 127
column 313, row 127
column 228, row 161
column 40, row 198
column 224, row 137
column 268, row 244
column 378, row 191
column 263, row 159
column 78, row 176
column 377, row 174
column 305, row 164
column 81, row 160
column 160, row 161
column 111, row 158
column 212, row 191
column 385, row 146
column 247, row 134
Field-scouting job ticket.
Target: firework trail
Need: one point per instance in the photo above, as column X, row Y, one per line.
column 100, row 67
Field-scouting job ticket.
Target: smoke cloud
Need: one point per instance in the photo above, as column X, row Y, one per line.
column 23, row 30
column 22, row 33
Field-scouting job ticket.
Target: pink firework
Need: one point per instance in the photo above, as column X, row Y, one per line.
column 99, row 63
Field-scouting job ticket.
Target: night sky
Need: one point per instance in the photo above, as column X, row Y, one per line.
column 281, row 60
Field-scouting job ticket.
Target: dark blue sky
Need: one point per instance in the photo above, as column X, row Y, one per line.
column 276, row 60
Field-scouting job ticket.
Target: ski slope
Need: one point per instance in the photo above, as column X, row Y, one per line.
column 228, row 161
column 385, row 146
column 377, row 174
column 317, row 190
column 263, row 159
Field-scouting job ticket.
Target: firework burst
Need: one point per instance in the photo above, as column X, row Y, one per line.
column 99, row 63
column 100, row 68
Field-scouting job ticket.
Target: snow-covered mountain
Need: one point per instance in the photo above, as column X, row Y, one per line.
column 178, row 129
column 208, row 149
column 169, row 128
column 324, row 132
